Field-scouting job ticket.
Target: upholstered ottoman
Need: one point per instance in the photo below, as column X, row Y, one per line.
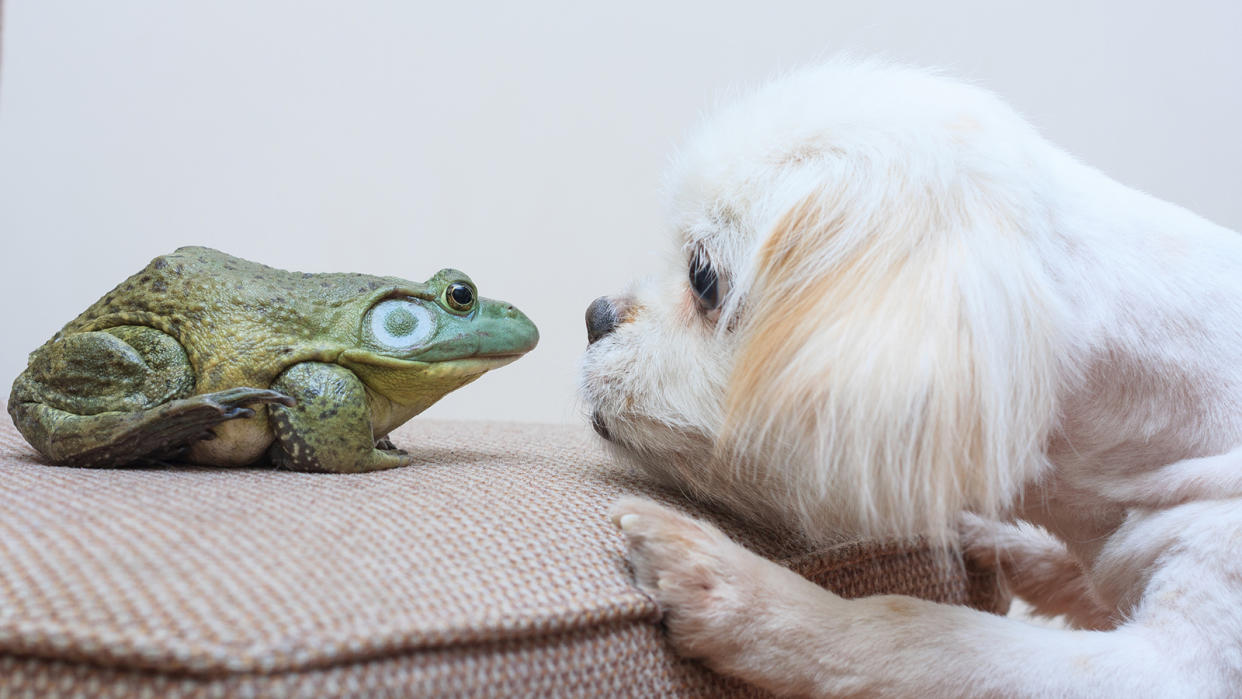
column 488, row 569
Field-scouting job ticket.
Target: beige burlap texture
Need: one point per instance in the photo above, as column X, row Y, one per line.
column 489, row 568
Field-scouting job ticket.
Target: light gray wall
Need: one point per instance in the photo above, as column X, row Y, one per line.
column 521, row 142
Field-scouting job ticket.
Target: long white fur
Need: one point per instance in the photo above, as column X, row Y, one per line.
column 931, row 309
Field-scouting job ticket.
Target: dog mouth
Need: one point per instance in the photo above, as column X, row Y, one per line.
column 600, row 427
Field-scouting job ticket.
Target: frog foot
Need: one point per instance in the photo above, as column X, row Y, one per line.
column 142, row 436
column 210, row 409
column 385, row 444
column 230, row 402
column 191, row 420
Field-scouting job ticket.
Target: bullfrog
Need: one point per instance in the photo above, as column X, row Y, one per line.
column 211, row 359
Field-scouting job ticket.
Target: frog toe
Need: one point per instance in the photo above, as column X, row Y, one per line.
column 236, row 398
column 382, row 460
column 385, row 444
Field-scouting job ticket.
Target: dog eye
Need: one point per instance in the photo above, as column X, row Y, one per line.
column 704, row 282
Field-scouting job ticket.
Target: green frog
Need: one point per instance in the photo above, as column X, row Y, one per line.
column 207, row 358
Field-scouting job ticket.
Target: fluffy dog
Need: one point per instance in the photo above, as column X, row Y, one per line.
column 897, row 303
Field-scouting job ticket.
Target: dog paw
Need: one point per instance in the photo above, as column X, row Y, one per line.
column 980, row 539
column 1003, row 545
column 701, row 579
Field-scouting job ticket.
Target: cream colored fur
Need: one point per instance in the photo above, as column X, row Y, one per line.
column 930, row 309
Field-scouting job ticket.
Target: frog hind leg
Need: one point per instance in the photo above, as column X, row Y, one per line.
column 329, row 428
column 119, row 397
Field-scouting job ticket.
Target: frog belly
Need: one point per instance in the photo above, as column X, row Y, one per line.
column 238, row 442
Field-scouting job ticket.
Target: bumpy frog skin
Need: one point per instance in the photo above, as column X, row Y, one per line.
column 164, row 365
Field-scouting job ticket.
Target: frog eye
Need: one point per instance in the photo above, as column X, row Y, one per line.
column 459, row 296
column 401, row 324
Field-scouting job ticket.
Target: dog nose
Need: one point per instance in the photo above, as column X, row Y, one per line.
column 601, row 319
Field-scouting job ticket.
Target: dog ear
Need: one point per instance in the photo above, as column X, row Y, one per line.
column 896, row 364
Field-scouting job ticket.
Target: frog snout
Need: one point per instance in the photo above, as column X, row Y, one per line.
column 505, row 330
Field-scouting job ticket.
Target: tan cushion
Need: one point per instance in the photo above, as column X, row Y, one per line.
column 490, row 568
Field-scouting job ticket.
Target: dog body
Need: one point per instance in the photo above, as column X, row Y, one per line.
column 897, row 302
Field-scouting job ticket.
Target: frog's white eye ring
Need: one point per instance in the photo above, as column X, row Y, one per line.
column 400, row 324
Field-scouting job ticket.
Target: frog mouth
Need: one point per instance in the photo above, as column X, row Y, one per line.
column 484, row 361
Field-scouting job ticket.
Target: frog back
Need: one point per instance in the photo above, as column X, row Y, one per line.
column 241, row 323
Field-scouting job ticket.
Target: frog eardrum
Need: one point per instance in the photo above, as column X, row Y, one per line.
column 211, row 359
column 401, row 324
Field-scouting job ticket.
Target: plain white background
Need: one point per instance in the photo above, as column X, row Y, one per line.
column 520, row 142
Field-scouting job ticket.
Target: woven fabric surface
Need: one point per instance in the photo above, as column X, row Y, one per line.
column 488, row 568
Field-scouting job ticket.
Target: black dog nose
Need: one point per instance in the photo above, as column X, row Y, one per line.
column 601, row 319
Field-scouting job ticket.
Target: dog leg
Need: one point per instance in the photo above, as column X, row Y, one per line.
column 1037, row 567
column 1205, row 478
column 748, row 617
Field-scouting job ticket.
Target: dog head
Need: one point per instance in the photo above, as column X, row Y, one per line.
column 857, row 335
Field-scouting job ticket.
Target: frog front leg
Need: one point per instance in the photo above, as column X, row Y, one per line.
column 329, row 429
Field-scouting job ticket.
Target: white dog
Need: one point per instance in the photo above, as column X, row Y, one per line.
column 896, row 303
